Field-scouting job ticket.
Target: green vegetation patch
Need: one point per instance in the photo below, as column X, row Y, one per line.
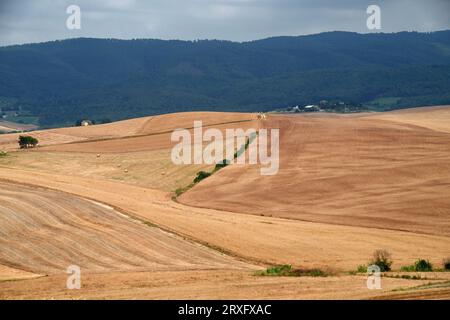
column 286, row 270
column 421, row 265
column 406, row 276
column 362, row 269
column 446, row 263
column 201, row 175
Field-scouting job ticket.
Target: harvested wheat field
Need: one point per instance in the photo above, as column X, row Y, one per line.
column 245, row 236
column 147, row 133
column 221, row 284
column 361, row 170
column 47, row 231
column 151, row 169
column 8, row 274
column 133, row 151
column 102, row 197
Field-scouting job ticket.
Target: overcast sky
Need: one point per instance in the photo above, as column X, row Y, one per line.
column 24, row 21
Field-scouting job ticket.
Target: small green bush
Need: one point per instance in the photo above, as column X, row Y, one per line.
column 178, row 191
column 382, row 258
column 221, row 165
column 286, row 270
column 3, row 154
column 309, row 273
column 361, row 269
column 420, row 265
column 280, row 270
column 408, row 268
column 447, row 263
column 423, row 265
column 201, row 175
column 181, row 190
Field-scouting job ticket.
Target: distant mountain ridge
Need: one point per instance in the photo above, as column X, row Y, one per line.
column 62, row 81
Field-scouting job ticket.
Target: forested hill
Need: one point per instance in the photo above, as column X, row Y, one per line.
column 62, row 81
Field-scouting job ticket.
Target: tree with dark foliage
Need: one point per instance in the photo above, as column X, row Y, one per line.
column 26, row 142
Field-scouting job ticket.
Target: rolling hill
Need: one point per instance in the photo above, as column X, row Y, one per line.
column 101, row 197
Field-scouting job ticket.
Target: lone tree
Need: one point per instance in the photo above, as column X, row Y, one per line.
column 26, row 142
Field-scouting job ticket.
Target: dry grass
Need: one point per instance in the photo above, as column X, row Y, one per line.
column 151, row 169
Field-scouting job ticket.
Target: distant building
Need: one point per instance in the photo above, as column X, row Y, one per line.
column 86, row 123
column 262, row 116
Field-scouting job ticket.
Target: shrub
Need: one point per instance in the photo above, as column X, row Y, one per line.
column 286, row 270
column 221, row 165
column 201, row 175
column 27, row 142
column 447, row 263
column 362, row 269
column 309, row 273
column 382, row 258
column 419, row 265
column 178, row 191
column 3, row 154
column 181, row 190
column 280, row 270
column 423, row 265
column 408, row 268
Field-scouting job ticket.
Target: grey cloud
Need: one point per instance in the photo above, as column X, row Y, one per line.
column 23, row 21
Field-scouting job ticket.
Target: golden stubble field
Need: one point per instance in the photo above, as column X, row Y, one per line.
column 101, row 197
